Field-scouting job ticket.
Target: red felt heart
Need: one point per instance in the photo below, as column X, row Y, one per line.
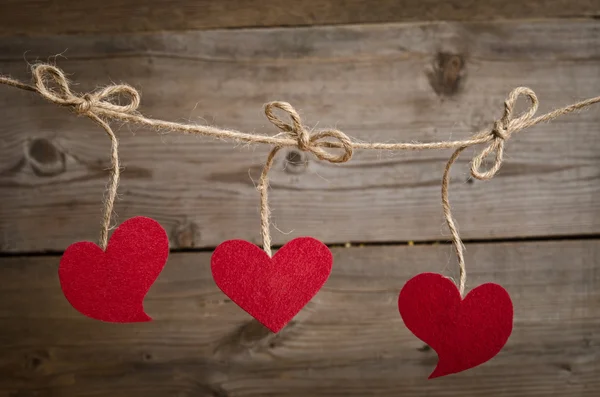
column 463, row 332
column 272, row 290
column 110, row 285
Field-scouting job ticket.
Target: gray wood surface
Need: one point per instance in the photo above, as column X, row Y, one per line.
column 395, row 82
column 349, row 341
column 32, row 17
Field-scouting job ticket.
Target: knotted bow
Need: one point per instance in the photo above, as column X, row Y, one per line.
column 97, row 102
column 305, row 141
column 502, row 131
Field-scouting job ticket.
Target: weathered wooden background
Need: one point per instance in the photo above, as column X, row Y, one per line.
column 380, row 71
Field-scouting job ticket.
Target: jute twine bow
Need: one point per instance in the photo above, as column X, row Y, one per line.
column 99, row 104
column 309, row 142
column 502, row 131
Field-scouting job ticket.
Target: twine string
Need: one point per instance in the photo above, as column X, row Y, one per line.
column 100, row 106
column 97, row 102
column 113, row 182
column 459, row 247
column 309, row 142
column 502, row 131
column 265, row 211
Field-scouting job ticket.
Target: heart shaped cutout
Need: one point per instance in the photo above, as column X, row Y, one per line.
column 272, row 290
column 111, row 285
column 464, row 332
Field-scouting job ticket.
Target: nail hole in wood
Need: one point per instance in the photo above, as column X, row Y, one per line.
column 295, row 162
column 36, row 362
column 566, row 367
column 424, row 348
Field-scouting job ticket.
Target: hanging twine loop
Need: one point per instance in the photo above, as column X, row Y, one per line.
column 502, row 131
column 93, row 105
column 305, row 141
column 98, row 102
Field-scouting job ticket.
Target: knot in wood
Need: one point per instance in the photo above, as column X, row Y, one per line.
column 315, row 142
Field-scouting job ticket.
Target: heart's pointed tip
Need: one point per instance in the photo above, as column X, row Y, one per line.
column 274, row 328
column 435, row 374
column 110, row 315
column 127, row 318
column 135, row 315
column 142, row 317
column 439, row 371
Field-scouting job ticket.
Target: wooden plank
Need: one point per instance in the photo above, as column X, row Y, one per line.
column 29, row 17
column 348, row 341
column 388, row 83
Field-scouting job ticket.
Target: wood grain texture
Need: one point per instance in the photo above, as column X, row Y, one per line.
column 390, row 83
column 32, row 17
column 349, row 341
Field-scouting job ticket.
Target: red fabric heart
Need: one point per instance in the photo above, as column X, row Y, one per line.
column 272, row 290
column 463, row 332
column 111, row 285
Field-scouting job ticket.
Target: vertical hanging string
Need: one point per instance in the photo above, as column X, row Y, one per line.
column 456, row 241
column 113, row 182
column 265, row 212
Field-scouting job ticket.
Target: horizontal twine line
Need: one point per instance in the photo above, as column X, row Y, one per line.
column 51, row 83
